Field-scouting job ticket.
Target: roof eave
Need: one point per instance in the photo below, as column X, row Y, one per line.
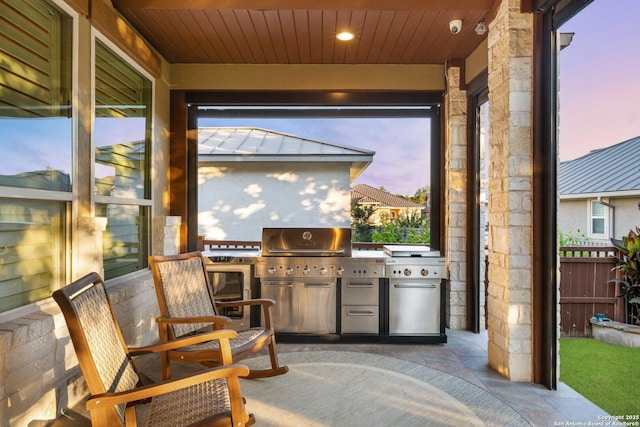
column 318, row 158
column 595, row 195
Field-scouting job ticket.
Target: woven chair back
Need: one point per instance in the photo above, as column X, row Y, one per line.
column 185, row 290
column 97, row 339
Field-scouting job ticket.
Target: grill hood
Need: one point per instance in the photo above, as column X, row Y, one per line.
column 306, row 242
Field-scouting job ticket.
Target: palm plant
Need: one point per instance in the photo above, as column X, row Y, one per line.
column 629, row 265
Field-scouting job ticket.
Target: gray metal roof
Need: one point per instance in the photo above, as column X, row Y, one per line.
column 224, row 144
column 255, row 141
column 614, row 169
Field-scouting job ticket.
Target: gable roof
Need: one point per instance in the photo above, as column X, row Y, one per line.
column 613, row 169
column 233, row 144
column 363, row 193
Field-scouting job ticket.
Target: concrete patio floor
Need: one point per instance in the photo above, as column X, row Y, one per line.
column 464, row 356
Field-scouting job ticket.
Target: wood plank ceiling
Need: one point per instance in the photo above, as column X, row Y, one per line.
column 304, row 31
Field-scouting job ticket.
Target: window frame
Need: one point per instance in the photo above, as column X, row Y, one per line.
column 146, row 202
column 286, row 103
column 605, row 218
column 68, row 198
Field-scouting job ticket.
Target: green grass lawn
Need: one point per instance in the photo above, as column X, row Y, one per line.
column 608, row 375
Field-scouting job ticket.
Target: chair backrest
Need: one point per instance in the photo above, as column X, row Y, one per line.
column 96, row 337
column 182, row 288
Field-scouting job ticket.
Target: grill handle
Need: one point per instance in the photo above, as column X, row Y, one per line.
column 278, row 285
column 306, row 251
column 317, row 285
column 360, row 313
column 360, row 285
column 430, row 286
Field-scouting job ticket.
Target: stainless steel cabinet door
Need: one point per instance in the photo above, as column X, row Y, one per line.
column 285, row 313
column 317, row 307
column 414, row 307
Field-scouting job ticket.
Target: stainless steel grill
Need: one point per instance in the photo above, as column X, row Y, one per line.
column 323, row 287
column 299, row 268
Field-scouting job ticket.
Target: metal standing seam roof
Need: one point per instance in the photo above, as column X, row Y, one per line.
column 605, row 170
column 222, row 144
column 263, row 142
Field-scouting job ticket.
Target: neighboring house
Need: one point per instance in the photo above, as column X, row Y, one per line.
column 386, row 205
column 119, row 171
column 251, row 178
column 600, row 193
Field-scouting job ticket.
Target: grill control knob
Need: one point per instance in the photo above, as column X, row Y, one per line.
column 323, row 271
column 407, row 272
column 306, row 271
column 289, row 271
column 339, row 271
column 424, row 272
column 272, row 271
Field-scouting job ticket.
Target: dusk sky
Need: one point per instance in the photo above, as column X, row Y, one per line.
column 599, row 88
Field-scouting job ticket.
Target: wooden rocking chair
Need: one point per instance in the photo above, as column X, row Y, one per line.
column 187, row 307
column 118, row 391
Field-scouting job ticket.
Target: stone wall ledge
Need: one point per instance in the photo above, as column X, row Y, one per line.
column 616, row 333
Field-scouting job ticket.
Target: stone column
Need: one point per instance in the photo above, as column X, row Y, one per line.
column 455, row 222
column 166, row 235
column 510, row 183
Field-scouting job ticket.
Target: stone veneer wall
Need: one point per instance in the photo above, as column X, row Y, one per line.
column 455, row 224
column 510, row 183
column 39, row 372
column 166, row 235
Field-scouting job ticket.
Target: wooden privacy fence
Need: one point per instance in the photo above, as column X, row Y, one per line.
column 584, row 288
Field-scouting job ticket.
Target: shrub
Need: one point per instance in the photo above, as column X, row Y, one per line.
column 412, row 228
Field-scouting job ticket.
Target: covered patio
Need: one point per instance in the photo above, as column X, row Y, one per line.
column 156, row 63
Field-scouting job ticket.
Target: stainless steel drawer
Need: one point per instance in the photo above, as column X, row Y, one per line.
column 360, row 292
column 360, row 319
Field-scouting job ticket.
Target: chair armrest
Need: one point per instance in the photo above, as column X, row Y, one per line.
column 100, row 401
column 257, row 301
column 216, row 320
column 224, row 335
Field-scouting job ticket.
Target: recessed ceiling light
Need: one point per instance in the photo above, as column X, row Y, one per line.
column 345, row 36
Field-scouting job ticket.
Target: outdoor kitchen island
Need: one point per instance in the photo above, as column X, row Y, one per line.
column 325, row 292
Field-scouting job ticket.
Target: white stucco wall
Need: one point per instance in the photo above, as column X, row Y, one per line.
column 573, row 217
column 236, row 200
column 626, row 215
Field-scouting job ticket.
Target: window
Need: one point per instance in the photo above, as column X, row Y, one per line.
column 122, row 141
column 599, row 220
column 36, row 130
